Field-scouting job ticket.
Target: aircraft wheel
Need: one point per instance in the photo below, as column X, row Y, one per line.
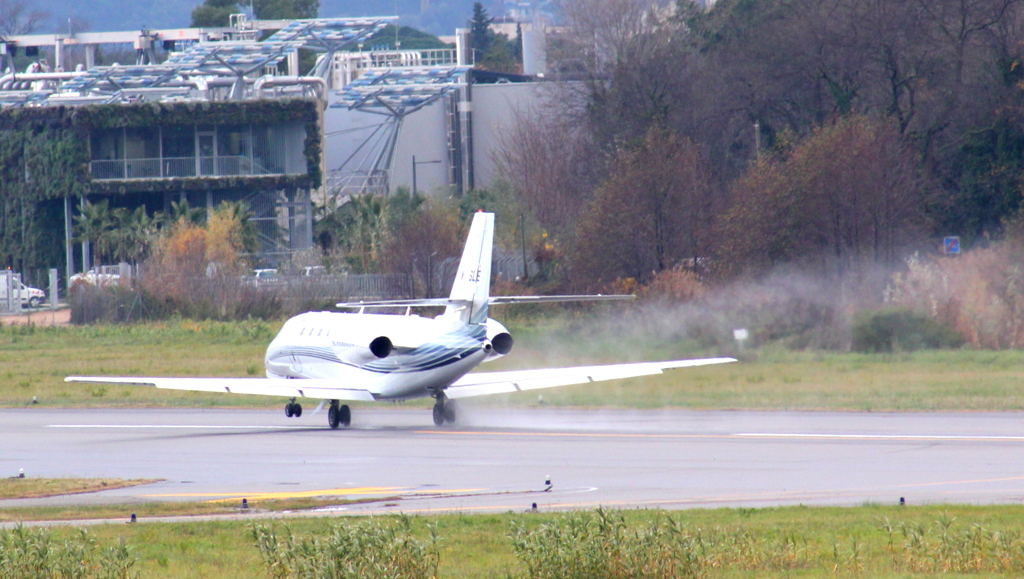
column 288, row 411
column 439, row 413
column 333, row 418
column 296, row 410
column 345, row 415
column 449, row 412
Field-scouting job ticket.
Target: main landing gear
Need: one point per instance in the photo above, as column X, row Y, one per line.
column 293, row 408
column 444, row 410
column 338, row 416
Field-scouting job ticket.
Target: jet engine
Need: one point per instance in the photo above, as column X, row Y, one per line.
column 381, row 347
column 499, row 342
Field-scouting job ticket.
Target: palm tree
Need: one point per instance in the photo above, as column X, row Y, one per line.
column 181, row 212
column 95, row 224
column 364, row 229
column 239, row 211
column 133, row 234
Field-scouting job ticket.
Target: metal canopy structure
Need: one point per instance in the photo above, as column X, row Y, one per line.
column 111, row 79
column 218, row 59
column 400, row 91
column 394, row 93
column 236, row 59
column 329, row 36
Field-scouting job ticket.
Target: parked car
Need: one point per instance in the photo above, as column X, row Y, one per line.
column 313, row 270
column 263, row 278
column 106, row 275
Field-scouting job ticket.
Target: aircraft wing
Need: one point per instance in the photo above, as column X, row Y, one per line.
column 307, row 388
column 484, row 383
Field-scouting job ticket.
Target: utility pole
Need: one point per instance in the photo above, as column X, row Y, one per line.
column 522, row 233
column 757, row 139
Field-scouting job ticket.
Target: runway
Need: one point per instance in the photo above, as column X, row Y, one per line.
column 498, row 460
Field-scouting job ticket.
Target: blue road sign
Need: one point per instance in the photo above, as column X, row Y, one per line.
column 951, row 245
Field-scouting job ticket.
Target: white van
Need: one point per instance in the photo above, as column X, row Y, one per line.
column 27, row 296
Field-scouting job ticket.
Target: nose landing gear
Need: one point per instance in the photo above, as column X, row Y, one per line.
column 293, row 408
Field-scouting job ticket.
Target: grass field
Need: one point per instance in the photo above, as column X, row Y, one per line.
column 34, row 361
column 869, row 541
column 28, row 488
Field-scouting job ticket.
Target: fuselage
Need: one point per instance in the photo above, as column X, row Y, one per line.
column 422, row 355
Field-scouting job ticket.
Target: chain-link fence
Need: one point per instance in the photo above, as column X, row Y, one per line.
column 11, row 296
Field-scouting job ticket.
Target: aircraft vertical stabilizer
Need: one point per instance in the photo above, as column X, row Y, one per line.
column 472, row 287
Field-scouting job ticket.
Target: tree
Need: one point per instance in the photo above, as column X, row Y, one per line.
column 653, row 214
column 284, row 9
column 430, row 237
column 481, row 37
column 17, row 18
column 212, row 13
column 239, row 213
column 181, row 211
column 848, row 197
column 501, row 56
column 551, row 163
column 95, row 224
column 133, row 234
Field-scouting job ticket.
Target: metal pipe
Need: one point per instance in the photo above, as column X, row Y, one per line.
column 269, row 81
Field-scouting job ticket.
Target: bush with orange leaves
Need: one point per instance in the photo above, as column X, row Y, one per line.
column 980, row 294
column 195, row 270
column 676, row 285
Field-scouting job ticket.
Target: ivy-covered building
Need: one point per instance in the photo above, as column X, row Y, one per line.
column 265, row 152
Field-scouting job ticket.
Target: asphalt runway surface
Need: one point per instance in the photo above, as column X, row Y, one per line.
column 500, row 459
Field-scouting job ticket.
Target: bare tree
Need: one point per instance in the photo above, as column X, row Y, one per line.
column 550, row 162
column 16, row 17
column 851, row 195
column 653, row 214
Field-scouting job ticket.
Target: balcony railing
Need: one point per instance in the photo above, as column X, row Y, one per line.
column 169, row 167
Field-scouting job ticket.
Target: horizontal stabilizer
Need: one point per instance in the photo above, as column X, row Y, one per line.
column 484, row 383
column 306, row 388
column 493, row 300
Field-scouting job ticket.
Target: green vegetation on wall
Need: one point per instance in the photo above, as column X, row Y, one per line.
column 44, row 157
column 39, row 163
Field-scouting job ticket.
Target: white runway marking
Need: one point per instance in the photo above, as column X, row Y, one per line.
column 183, row 426
column 958, row 437
column 771, row 435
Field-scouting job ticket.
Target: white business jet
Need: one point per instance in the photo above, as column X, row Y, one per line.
column 361, row 356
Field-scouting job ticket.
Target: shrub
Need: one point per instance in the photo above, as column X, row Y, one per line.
column 599, row 545
column 677, row 285
column 979, row 294
column 901, row 329
column 369, row 549
column 28, row 552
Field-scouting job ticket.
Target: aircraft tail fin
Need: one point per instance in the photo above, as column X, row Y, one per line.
column 472, row 287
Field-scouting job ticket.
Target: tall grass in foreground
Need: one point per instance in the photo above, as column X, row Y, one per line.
column 34, row 553
column 602, row 544
column 599, row 545
column 725, row 543
column 349, row 551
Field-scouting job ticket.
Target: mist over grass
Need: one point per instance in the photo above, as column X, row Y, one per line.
column 795, row 357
